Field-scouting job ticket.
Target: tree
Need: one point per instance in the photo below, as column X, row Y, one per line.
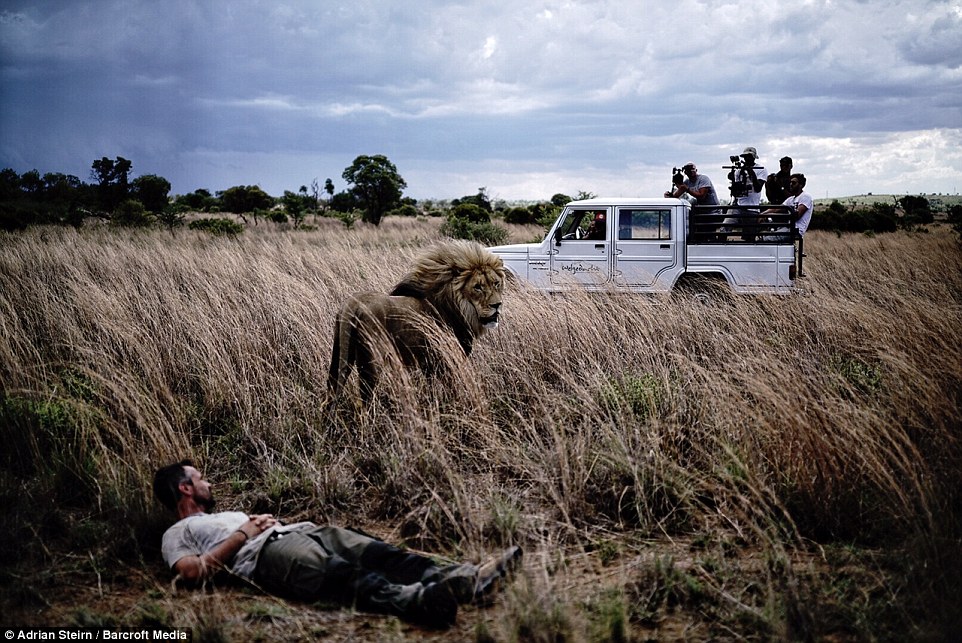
column 954, row 217
column 242, row 199
column 61, row 188
column 917, row 210
column 112, row 177
column 480, row 199
column 31, row 183
column 199, row 200
column 297, row 205
column 344, row 201
column 377, row 186
column 315, row 196
column 9, row 184
column 171, row 218
column 152, row 191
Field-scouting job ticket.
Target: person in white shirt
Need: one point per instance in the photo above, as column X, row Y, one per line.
column 801, row 202
column 747, row 183
column 308, row 562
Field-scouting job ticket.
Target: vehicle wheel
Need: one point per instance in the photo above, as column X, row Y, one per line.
column 703, row 289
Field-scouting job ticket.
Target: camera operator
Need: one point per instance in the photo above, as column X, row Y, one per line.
column 699, row 187
column 747, row 181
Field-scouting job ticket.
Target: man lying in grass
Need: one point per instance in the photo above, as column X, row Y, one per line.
column 307, row 562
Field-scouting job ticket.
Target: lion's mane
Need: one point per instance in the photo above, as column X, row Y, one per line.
column 454, row 289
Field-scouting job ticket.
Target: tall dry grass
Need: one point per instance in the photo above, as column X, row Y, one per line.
column 585, row 427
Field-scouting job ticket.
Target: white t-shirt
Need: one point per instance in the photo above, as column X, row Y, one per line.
column 197, row 534
column 802, row 199
column 752, row 198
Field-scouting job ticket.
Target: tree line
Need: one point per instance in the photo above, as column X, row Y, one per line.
column 375, row 190
column 910, row 212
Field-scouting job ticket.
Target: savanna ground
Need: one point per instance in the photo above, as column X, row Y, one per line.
column 755, row 468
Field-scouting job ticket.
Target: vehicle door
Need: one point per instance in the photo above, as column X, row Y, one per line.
column 646, row 247
column 581, row 248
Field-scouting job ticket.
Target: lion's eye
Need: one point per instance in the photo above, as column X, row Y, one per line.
column 478, row 287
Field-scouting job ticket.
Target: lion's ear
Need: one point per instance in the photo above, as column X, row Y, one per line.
column 409, row 289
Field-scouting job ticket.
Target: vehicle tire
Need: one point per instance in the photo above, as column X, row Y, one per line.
column 709, row 289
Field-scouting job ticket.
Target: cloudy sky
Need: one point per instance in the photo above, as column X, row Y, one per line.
column 526, row 98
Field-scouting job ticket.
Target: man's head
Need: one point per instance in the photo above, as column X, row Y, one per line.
column 796, row 184
column 181, row 480
column 690, row 170
column 750, row 155
column 785, row 163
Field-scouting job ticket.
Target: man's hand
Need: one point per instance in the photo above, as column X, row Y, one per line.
column 195, row 569
column 257, row 525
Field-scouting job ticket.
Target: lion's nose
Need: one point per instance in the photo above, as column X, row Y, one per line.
column 496, row 306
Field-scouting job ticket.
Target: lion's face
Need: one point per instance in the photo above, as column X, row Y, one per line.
column 479, row 291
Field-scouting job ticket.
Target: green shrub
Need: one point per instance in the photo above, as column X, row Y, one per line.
column 131, row 214
column 862, row 376
column 879, row 217
column 519, row 215
column 348, row 218
column 277, row 216
column 485, row 233
column 470, row 212
column 217, row 225
column 642, row 395
column 405, row 210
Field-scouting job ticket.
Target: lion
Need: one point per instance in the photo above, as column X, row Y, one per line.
column 453, row 292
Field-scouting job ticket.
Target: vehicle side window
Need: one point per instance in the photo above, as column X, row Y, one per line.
column 583, row 225
column 640, row 224
column 569, row 225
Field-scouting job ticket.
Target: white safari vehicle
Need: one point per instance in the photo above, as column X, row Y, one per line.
column 656, row 245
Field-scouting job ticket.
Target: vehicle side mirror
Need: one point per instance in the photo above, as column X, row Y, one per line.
column 557, row 237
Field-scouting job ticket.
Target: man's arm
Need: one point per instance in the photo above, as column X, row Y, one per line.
column 680, row 188
column 195, row 569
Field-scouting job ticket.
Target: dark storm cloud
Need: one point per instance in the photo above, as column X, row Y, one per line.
column 526, row 99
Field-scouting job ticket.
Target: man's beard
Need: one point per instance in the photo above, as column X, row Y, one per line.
column 207, row 503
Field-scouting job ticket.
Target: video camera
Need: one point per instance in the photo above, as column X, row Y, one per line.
column 741, row 182
column 737, row 162
column 677, row 176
